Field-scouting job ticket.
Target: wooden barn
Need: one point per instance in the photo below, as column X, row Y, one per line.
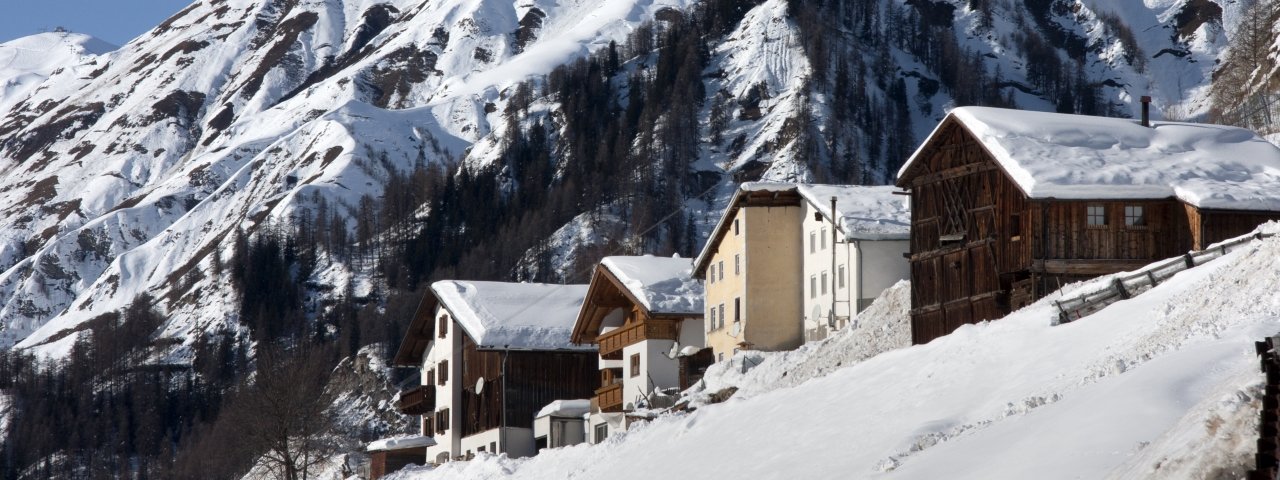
column 1008, row 205
column 492, row 355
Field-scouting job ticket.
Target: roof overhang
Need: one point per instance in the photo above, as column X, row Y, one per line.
column 604, row 293
column 419, row 334
column 782, row 196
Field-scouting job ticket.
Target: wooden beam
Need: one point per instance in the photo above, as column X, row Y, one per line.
column 1086, row 267
column 954, row 172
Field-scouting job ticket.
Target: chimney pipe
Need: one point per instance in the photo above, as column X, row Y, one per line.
column 1146, row 111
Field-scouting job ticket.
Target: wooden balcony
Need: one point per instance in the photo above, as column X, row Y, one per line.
column 609, row 398
column 650, row 329
column 419, row 400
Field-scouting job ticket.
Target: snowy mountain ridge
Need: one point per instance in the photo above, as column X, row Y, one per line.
column 131, row 171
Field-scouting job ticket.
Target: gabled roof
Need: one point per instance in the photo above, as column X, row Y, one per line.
column 661, row 286
column 747, row 194
column 528, row 316
column 863, row 212
column 1078, row 157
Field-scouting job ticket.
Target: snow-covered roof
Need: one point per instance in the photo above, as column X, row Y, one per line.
column 1053, row 155
column 864, row 212
column 565, row 408
column 662, row 285
column 400, row 442
column 513, row 315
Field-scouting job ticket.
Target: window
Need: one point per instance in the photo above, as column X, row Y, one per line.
column 602, row 432
column 444, row 325
column 431, row 377
column 721, row 269
column 635, row 364
column 1097, row 215
column 813, row 286
column 840, row 276
column 712, row 325
column 493, row 446
column 735, row 227
column 721, row 315
column 444, row 372
column 1134, row 216
column 442, row 420
column 824, row 282
column 1015, row 227
column 480, row 449
column 712, row 278
column 737, row 264
column 823, row 241
column 813, row 242
column 737, row 310
column 720, row 357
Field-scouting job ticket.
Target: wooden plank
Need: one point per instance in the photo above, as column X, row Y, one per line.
column 1086, row 267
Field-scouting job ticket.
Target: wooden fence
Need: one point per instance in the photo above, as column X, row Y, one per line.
column 1125, row 287
column 1265, row 461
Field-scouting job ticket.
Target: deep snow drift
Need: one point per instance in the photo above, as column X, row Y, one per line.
column 1165, row 385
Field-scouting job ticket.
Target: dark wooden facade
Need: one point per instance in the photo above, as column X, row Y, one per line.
column 981, row 247
column 532, row 379
column 383, row 462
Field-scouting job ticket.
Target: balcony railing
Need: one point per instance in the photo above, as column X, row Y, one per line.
column 610, row 398
column 611, row 343
column 419, row 400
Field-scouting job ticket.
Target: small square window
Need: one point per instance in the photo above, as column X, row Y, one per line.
column 736, row 231
column 1097, row 215
column 737, row 310
column 1134, row 216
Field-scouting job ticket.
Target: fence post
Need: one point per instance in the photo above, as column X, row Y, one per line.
column 1191, row 261
column 1152, row 277
column 1119, row 287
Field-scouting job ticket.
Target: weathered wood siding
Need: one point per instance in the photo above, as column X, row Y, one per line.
column 532, row 380
column 1217, row 225
column 970, row 237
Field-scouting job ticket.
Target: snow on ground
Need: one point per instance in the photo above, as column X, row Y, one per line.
column 26, row 62
column 663, row 285
column 516, row 315
column 565, row 408
column 1161, row 386
column 1054, row 155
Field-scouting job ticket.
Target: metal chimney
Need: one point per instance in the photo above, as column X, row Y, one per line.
column 1146, row 111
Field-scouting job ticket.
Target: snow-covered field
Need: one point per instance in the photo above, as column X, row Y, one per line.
column 1165, row 385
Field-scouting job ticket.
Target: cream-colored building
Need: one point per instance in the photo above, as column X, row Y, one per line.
column 751, row 268
column 778, row 270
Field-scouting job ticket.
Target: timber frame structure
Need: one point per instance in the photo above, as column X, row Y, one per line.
column 981, row 247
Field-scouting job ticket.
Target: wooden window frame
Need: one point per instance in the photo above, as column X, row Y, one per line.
column 1090, row 216
column 443, row 376
column 635, row 365
column 444, row 326
column 1135, row 222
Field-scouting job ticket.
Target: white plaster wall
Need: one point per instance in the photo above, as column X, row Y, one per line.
column 560, row 431
column 448, row 395
column 519, row 442
column 816, row 261
column 616, row 421
column 693, row 333
column 883, row 265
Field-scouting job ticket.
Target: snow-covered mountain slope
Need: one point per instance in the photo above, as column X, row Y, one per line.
column 1165, row 385
column 122, row 174
column 26, row 62
column 131, row 171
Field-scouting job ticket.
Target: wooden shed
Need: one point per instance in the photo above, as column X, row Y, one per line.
column 1008, row 205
